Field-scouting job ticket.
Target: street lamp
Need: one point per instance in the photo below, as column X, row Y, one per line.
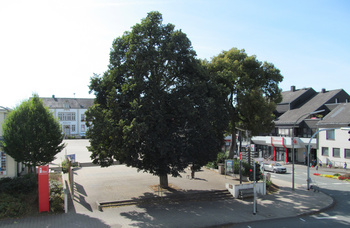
column 308, row 151
column 306, row 114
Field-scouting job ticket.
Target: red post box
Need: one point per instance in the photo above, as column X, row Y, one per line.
column 43, row 184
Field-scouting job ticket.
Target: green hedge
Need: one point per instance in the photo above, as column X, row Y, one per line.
column 56, row 198
column 19, row 195
column 19, row 185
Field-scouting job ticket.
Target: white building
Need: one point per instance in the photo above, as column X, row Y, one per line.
column 334, row 144
column 8, row 166
column 70, row 112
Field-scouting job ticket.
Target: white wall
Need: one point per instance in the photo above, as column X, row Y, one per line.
column 77, row 122
column 11, row 168
column 341, row 141
column 11, row 165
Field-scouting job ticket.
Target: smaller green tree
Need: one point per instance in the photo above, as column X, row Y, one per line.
column 251, row 88
column 31, row 134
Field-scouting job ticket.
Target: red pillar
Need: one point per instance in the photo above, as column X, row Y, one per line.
column 274, row 150
column 43, row 185
column 285, row 148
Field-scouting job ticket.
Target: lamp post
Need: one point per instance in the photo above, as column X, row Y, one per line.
column 306, row 114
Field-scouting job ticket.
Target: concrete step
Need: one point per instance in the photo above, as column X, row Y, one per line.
column 172, row 198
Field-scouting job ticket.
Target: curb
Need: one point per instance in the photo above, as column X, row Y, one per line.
column 322, row 209
column 228, row 225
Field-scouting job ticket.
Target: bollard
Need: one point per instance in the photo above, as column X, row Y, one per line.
column 65, row 200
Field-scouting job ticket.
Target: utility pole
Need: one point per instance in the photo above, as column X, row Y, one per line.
column 254, row 189
column 240, row 157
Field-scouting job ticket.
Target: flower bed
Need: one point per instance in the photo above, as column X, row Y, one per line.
column 343, row 178
column 335, row 176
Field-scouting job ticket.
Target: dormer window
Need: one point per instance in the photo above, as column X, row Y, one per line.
column 66, row 105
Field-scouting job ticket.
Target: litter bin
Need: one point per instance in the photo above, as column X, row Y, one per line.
column 221, row 168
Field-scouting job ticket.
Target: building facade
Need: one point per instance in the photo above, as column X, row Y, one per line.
column 71, row 113
column 296, row 121
column 334, row 137
column 8, row 166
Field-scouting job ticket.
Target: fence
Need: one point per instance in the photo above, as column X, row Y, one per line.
column 71, row 178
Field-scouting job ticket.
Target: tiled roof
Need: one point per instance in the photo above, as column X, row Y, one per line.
column 290, row 96
column 291, row 99
column 74, row 103
column 340, row 116
column 314, row 104
column 5, row 109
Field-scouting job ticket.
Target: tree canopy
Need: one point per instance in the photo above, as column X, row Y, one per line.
column 31, row 134
column 251, row 88
column 156, row 108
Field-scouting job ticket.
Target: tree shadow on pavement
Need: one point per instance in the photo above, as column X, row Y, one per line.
column 295, row 202
column 198, row 213
column 79, row 196
column 185, row 211
column 200, row 179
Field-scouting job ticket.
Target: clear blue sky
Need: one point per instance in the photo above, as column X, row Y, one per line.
column 54, row 47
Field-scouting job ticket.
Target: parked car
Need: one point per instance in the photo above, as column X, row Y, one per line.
column 276, row 168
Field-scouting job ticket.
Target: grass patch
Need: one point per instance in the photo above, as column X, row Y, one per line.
column 271, row 187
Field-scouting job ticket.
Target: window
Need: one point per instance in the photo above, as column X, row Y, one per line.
column 324, row 151
column 66, row 116
column 73, row 128
column 82, row 117
column 307, row 132
column 336, row 152
column 346, row 153
column 83, row 127
column 66, row 105
column 2, row 163
column 284, row 132
column 330, row 135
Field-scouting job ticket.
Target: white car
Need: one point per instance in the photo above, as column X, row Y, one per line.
column 276, row 168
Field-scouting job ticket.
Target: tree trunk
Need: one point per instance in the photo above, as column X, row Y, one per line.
column 233, row 145
column 192, row 172
column 163, row 180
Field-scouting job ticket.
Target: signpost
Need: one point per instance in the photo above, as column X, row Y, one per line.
column 43, row 185
column 71, row 157
column 254, row 189
column 240, row 167
column 229, row 166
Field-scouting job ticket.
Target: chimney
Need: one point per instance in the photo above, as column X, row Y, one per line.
column 323, row 90
column 292, row 88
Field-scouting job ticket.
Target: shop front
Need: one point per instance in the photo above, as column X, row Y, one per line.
column 276, row 148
